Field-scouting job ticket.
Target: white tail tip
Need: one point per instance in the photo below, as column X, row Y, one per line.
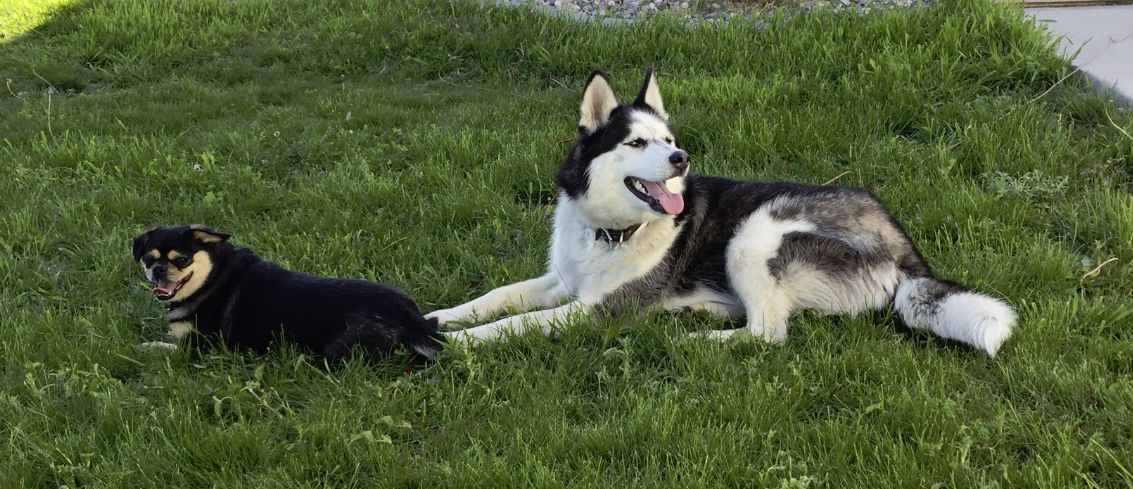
column 954, row 313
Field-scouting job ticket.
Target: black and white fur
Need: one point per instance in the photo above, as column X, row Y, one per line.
column 734, row 249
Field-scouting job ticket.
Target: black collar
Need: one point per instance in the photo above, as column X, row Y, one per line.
column 616, row 236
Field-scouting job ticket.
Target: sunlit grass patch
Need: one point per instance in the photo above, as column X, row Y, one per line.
column 17, row 17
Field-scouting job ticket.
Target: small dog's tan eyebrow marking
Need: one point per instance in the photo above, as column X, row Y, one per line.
column 155, row 254
column 173, row 255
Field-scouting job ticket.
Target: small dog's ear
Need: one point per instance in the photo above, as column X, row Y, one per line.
column 598, row 101
column 650, row 95
column 140, row 243
column 208, row 236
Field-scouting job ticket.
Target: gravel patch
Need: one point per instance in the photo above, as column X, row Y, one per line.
column 710, row 10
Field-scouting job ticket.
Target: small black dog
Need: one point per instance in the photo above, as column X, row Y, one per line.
column 218, row 292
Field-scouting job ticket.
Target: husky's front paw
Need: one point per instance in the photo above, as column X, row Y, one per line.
column 444, row 317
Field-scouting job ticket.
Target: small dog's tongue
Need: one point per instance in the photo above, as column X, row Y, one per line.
column 673, row 203
column 163, row 287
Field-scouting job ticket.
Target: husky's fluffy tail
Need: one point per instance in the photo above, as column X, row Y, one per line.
column 953, row 312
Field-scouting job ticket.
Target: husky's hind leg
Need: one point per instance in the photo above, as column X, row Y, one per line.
column 766, row 319
column 712, row 302
column 766, row 304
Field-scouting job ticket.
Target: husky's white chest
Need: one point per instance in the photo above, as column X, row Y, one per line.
column 590, row 268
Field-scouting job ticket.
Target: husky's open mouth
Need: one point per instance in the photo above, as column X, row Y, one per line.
column 165, row 289
column 657, row 195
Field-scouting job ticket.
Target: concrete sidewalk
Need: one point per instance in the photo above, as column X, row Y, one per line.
column 1105, row 37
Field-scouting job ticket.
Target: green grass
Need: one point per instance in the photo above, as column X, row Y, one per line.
column 414, row 143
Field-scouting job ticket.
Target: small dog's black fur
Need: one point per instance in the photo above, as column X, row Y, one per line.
column 221, row 294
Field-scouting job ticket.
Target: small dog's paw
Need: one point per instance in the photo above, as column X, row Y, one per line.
column 157, row 345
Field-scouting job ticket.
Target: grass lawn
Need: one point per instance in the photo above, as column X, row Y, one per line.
column 414, row 142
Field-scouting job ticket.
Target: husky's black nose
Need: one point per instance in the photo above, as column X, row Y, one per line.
column 159, row 271
column 679, row 159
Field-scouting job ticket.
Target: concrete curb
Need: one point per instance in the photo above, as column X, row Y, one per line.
column 1102, row 37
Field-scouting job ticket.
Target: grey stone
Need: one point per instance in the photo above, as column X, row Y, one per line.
column 622, row 11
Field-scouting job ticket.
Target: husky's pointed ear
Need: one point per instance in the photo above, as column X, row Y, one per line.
column 650, row 95
column 208, row 236
column 140, row 243
column 598, row 101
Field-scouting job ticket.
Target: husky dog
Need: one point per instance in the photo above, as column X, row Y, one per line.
column 634, row 228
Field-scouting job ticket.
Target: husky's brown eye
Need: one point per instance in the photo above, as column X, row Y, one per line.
column 636, row 143
column 180, row 262
column 668, row 140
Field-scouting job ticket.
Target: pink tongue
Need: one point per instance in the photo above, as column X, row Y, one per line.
column 163, row 287
column 673, row 203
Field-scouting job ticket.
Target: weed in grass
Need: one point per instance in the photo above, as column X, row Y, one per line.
column 1032, row 187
